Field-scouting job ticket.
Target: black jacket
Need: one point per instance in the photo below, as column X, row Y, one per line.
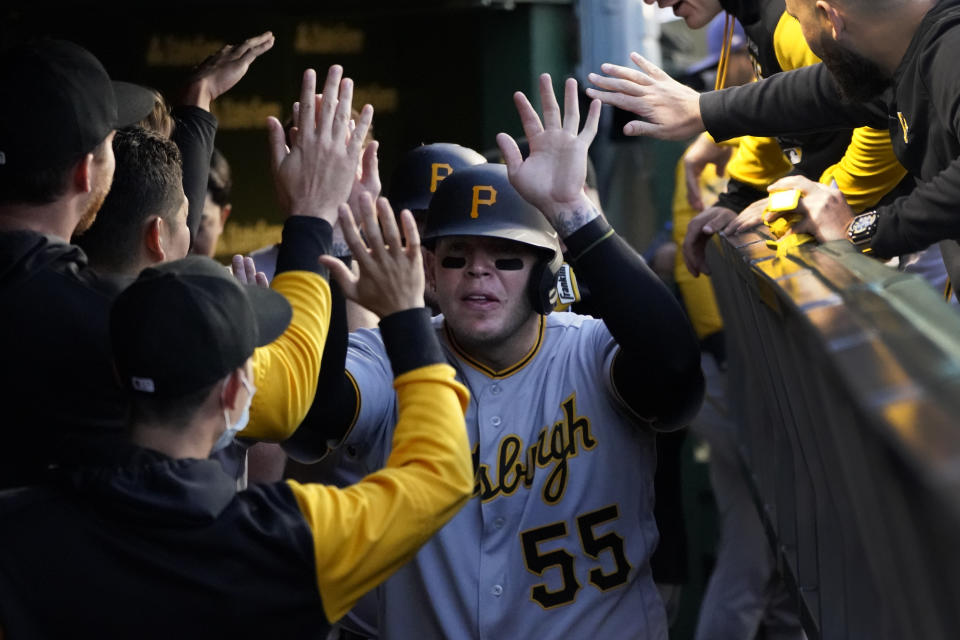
column 161, row 546
column 57, row 379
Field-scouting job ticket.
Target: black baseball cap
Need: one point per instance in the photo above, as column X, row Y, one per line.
column 62, row 104
column 184, row 325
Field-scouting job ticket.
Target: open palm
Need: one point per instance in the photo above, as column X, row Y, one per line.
column 552, row 176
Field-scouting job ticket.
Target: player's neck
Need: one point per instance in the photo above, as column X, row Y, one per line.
column 504, row 353
column 886, row 41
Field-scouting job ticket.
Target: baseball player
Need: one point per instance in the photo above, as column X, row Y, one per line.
column 414, row 181
column 564, row 408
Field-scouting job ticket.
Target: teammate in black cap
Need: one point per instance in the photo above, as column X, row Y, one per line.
column 165, row 536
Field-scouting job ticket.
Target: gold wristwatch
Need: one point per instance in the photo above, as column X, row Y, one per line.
column 862, row 228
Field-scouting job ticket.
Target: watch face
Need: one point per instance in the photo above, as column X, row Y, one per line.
column 862, row 227
column 862, row 223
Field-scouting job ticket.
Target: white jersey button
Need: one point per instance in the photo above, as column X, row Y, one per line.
column 497, row 590
column 496, row 389
column 495, row 421
column 499, row 522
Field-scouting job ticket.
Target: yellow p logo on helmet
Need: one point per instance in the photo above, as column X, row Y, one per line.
column 477, row 200
column 436, row 177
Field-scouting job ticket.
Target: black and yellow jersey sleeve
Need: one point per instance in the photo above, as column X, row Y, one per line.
column 365, row 532
column 868, row 169
column 286, row 370
column 758, row 162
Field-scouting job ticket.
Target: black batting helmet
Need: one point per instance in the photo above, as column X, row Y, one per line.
column 480, row 201
column 423, row 168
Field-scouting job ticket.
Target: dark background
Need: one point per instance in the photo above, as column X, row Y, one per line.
column 434, row 71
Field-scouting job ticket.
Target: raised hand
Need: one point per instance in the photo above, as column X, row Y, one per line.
column 367, row 181
column 391, row 272
column 669, row 109
column 221, row 71
column 245, row 271
column 315, row 175
column 552, row 176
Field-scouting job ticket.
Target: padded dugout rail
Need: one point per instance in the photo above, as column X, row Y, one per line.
column 845, row 381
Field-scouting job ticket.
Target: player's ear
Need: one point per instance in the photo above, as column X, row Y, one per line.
column 153, row 239
column 831, row 19
column 82, row 174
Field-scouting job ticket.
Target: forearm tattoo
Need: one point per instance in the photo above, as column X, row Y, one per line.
column 566, row 222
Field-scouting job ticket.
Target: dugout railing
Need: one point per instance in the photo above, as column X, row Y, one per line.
column 844, row 379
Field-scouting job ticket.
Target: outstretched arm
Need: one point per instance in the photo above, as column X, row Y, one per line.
column 195, row 125
column 657, row 371
column 313, row 178
column 801, row 101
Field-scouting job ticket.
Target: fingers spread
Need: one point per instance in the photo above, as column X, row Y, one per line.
column 571, row 107
column 341, row 119
column 625, row 73
column 647, row 67
column 388, row 225
column 351, row 234
column 510, row 151
column 355, row 145
column 619, row 100
column 250, row 270
column 370, row 224
column 331, row 96
column 551, row 110
column 410, row 234
column 590, row 125
column 529, row 119
column 278, row 146
column 342, row 274
column 621, row 85
column 308, row 89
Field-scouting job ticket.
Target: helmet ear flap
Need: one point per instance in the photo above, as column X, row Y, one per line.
column 542, row 287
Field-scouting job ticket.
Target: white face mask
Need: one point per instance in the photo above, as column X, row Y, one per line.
column 227, row 436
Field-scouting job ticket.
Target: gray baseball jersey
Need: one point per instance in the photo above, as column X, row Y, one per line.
column 558, row 536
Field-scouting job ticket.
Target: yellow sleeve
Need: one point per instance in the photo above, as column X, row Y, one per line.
column 790, row 46
column 286, row 370
column 365, row 532
column 868, row 169
column 697, row 293
column 758, row 162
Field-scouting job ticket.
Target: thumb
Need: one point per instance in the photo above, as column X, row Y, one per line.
column 342, row 274
column 510, row 151
column 639, row 128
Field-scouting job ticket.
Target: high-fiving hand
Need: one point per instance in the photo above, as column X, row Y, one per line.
column 552, row 176
column 669, row 109
column 315, row 175
column 391, row 272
